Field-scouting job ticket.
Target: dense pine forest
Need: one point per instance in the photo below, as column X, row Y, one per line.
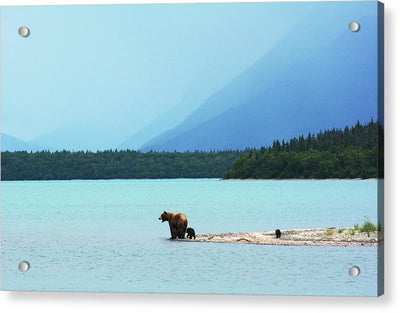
column 350, row 153
column 114, row 164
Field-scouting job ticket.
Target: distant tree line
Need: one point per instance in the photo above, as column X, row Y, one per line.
column 113, row 164
column 355, row 152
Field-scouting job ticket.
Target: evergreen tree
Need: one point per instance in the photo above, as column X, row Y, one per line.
column 355, row 152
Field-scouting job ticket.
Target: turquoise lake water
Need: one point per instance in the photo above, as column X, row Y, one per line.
column 105, row 235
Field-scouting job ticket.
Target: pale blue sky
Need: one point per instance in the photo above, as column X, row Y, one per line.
column 104, row 72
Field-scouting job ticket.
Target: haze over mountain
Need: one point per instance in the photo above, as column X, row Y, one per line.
column 10, row 143
column 186, row 77
column 192, row 99
column 306, row 83
column 111, row 80
column 77, row 137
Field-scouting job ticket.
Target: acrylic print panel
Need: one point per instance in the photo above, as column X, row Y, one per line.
column 229, row 148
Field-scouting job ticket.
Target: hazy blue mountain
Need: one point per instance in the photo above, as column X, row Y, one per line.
column 158, row 126
column 77, row 137
column 11, row 143
column 191, row 100
column 304, row 84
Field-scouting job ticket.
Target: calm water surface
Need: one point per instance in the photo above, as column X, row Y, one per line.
column 106, row 236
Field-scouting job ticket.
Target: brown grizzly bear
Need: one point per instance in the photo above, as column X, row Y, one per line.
column 177, row 223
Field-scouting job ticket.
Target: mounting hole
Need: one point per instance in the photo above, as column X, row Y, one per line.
column 24, row 31
column 24, row 266
column 354, row 271
column 354, row 27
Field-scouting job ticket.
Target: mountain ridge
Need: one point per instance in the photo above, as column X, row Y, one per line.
column 12, row 144
column 295, row 94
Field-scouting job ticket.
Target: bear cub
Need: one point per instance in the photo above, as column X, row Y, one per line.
column 190, row 233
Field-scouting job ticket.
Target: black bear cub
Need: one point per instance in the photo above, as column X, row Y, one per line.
column 278, row 233
column 190, row 233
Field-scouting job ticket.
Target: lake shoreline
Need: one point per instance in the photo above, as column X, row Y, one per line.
column 301, row 179
column 334, row 236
